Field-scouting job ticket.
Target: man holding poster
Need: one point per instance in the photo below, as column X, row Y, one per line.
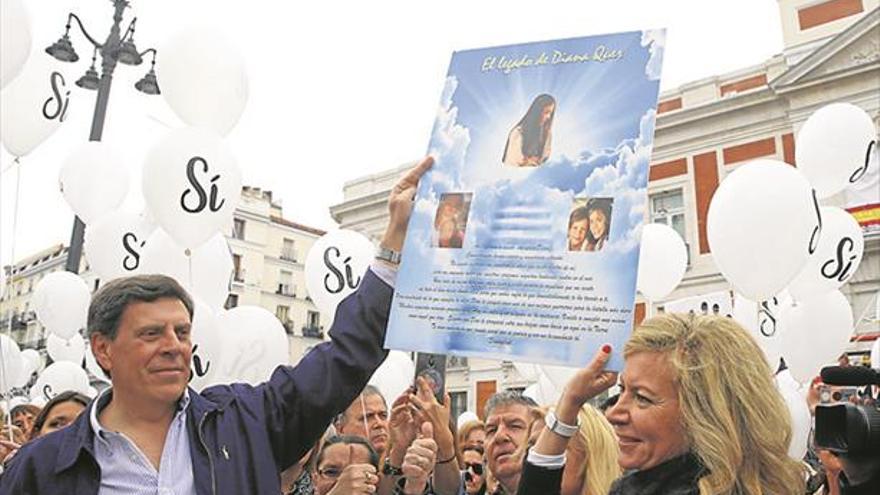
column 546, row 269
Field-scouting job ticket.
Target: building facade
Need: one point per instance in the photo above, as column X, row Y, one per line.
column 268, row 254
column 704, row 130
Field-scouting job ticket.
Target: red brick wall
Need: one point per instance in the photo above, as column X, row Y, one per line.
column 747, row 151
column 669, row 105
column 826, row 12
column 705, row 183
column 788, row 148
column 744, row 84
column 668, row 169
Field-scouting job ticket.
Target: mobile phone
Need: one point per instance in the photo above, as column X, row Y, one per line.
column 432, row 367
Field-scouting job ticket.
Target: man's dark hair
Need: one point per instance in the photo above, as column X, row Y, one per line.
column 349, row 440
column 506, row 398
column 110, row 301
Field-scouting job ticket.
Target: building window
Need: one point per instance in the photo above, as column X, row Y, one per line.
column 97, row 284
column 312, row 327
column 457, row 403
column 237, row 273
column 285, row 284
column 668, row 208
column 238, row 229
column 288, row 250
column 231, row 301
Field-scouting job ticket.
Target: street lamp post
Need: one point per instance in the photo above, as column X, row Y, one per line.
column 116, row 48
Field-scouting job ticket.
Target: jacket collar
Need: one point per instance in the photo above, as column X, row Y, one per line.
column 79, row 437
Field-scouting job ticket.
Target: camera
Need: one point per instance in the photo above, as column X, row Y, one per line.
column 841, row 426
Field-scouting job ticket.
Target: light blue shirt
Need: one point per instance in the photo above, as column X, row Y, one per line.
column 125, row 470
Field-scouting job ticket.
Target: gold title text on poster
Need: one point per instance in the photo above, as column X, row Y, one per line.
column 508, row 64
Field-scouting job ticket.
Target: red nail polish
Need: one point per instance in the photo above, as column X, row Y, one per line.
column 606, row 349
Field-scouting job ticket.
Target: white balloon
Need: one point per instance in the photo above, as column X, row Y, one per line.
column 15, row 39
column 203, row 79
column 394, row 376
column 547, row 391
column 528, row 371
column 761, row 223
column 466, row 417
column 209, row 347
column 205, row 272
column 93, row 367
column 801, row 420
column 334, row 267
column 17, row 401
column 72, row 349
column 60, row 377
column 115, row 243
column 92, row 393
column 833, row 147
column 34, row 105
column 814, row 333
column 94, row 180
column 10, row 360
column 762, row 322
column 192, row 185
column 256, row 344
column 34, row 358
column 837, row 258
column 559, row 376
column 662, row 261
column 61, row 301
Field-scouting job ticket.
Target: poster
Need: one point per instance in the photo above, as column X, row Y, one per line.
column 524, row 238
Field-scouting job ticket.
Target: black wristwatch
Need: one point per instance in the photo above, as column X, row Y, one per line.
column 389, row 470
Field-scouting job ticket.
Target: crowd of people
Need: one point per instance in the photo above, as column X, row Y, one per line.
column 697, row 413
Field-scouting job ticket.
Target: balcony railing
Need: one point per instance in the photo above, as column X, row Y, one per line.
column 288, row 256
column 285, row 290
column 315, row 332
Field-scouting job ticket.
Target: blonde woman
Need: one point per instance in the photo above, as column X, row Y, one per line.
column 698, row 414
column 591, row 457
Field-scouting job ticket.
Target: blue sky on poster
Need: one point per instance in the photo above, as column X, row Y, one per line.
column 590, row 157
column 339, row 90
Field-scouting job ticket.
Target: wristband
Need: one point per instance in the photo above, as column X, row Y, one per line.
column 560, row 428
column 389, row 470
column 446, row 461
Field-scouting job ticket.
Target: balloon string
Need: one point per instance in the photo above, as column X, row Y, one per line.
column 364, row 417
column 4, row 380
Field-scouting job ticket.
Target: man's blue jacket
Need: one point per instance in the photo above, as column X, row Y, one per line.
column 241, row 437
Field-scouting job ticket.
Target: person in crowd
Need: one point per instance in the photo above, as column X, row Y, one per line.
column 471, row 434
column 509, row 416
column 59, row 412
column 367, row 417
column 698, row 414
column 591, row 456
column 410, row 410
column 578, row 225
column 528, row 143
column 346, row 465
column 228, row 439
column 600, row 219
column 23, row 416
column 419, row 462
column 11, row 439
column 297, row 479
column 473, row 474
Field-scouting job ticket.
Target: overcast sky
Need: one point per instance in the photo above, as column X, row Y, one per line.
column 338, row 90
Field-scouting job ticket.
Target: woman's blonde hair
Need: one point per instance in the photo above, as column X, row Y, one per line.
column 462, row 435
column 596, row 437
column 735, row 420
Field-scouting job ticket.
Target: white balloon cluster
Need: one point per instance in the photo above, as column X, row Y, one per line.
column 778, row 246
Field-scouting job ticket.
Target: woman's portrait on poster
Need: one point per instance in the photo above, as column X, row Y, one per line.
column 528, row 143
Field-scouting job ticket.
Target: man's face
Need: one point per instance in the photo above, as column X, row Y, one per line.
column 335, row 459
column 151, row 353
column 507, row 429
column 371, row 413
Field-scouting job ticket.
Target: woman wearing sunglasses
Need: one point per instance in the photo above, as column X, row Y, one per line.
column 473, row 476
